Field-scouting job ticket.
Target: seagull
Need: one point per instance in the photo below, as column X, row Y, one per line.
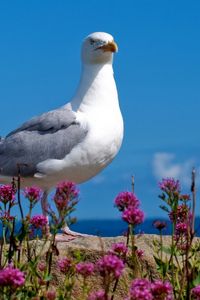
column 73, row 142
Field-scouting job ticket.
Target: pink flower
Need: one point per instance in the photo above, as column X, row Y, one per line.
column 11, row 276
column 98, row 295
column 143, row 289
column 133, row 215
column 41, row 266
column 162, row 290
column 181, row 228
column 184, row 197
column 119, row 249
column 125, row 199
column 140, row 290
column 6, row 217
column 181, row 214
column 85, row 268
column 39, row 221
column 160, row 225
column 64, row 264
column 169, row 185
column 195, row 293
column 7, row 194
column 33, row 194
column 66, row 191
column 110, row 264
column 139, row 253
column 51, row 295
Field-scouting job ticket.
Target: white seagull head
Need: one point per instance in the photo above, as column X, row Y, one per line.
column 98, row 48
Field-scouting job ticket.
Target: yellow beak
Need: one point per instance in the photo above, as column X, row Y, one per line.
column 110, row 46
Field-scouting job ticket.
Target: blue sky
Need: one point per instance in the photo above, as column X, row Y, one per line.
column 157, row 70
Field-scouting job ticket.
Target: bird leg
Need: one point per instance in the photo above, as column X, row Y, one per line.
column 66, row 234
column 44, row 204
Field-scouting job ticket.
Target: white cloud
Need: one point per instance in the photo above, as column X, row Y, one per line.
column 164, row 165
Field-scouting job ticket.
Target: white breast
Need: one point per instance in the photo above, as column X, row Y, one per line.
column 97, row 110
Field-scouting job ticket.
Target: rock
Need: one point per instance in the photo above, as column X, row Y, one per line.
column 91, row 248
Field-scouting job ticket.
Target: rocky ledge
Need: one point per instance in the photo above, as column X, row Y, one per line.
column 91, row 248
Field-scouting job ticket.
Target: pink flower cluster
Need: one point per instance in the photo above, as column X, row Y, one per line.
column 126, row 199
column 85, row 268
column 139, row 253
column 140, row 290
column 128, row 203
column 119, row 249
column 7, row 194
column 110, row 264
column 39, row 221
column 98, row 295
column 195, row 293
column 66, row 191
column 184, row 197
column 133, row 216
column 181, row 214
column 160, row 225
column 143, row 289
column 64, row 264
column 162, row 290
column 6, row 217
column 169, row 185
column 11, row 276
column 51, row 295
column 33, row 194
column 181, row 229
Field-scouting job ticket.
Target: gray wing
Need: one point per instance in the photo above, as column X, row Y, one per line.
column 49, row 136
column 50, row 121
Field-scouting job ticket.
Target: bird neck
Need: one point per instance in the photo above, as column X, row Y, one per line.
column 97, row 86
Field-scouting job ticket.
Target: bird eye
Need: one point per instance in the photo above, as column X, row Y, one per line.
column 92, row 42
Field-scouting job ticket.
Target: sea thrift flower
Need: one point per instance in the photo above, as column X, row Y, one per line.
column 66, row 191
column 119, row 249
column 169, row 185
column 6, row 217
column 125, row 199
column 195, row 293
column 51, row 295
column 110, row 264
column 99, row 295
column 7, row 194
column 181, row 228
column 39, row 221
column 184, row 197
column 181, row 214
column 33, row 194
column 139, row 253
column 85, row 268
column 64, row 264
column 140, row 290
column 162, row 290
column 11, row 276
column 133, row 215
column 41, row 266
column 160, row 225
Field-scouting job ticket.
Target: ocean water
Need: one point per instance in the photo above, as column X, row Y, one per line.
column 112, row 228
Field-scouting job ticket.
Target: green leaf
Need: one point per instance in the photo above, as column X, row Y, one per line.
column 163, row 207
column 196, row 281
column 166, row 250
column 47, row 277
column 162, row 267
